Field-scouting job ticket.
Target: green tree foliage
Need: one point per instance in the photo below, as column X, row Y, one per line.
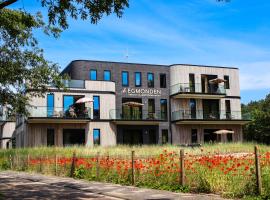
column 23, row 67
column 259, row 128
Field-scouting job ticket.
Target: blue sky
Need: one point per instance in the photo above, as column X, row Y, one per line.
column 179, row 31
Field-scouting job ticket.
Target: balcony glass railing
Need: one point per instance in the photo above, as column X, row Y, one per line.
column 138, row 115
column 59, row 112
column 201, row 115
column 73, row 84
column 197, row 88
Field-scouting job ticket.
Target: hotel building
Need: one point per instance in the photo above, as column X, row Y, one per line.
column 131, row 103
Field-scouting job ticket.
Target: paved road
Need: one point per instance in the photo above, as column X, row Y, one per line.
column 19, row 185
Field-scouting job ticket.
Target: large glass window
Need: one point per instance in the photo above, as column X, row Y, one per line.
column 138, row 79
column 125, row 79
column 50, row 105
column 192, row 104
column 50, row 137
column 192, row 82
column 162, row 79
column 150, row 80
column 93, row 75
column 151, row 108
column 165, row 136
column 163, row 109
column 68, row 101
column 96, row 136
column 194, row 136
column 227, row 82
column 107, row 75
column 96, row 107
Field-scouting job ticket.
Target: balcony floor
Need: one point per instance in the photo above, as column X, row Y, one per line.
column 57, row 120
column 205, row 121
column 188, row 95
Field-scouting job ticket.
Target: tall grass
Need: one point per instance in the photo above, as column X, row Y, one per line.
column 226, row 169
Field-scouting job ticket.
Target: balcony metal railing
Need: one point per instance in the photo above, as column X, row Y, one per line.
column 196, row 88
column 201, row 115
column 138, row 115
column 58, row 112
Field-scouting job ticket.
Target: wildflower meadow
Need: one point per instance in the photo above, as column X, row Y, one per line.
column 209, row 169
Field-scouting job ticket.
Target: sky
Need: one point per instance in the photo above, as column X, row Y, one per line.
column 203, row 32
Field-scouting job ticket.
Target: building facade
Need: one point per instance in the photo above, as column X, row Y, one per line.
column 130, row 103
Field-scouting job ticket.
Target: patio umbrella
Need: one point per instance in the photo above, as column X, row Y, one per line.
column 223, row 131
column 132, row 103
column 84, row 100
column 217, row 80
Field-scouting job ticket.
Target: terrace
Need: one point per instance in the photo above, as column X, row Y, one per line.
column 59, row 114
column 190, row 117
column 187, row 90
column 137, row 115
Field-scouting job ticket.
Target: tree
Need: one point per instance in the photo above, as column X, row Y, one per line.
column 23, row 67
column 259, row 128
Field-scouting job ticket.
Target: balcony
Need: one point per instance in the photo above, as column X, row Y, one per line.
column 138, row 117
column 201, row 117
column 187, row 90
column 58, row 114
column 79, row 84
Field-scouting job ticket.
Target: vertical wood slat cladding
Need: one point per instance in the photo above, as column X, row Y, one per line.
column 182, row 133
column 180, row 74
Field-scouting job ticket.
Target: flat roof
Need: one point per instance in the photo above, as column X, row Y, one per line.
column 130, row 63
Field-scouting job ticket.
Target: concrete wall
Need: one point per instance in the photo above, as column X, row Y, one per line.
column 6, row 131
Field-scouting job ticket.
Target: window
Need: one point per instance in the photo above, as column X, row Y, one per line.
column 165, row 136
column 150, row 80
column 96, row 107
column 227, row 82
column 162, row 79
column 96, row 136
column 138, row 81
column 68, row 101
column 229, row 137
column 151, row 107
column 194, row 136
column 50, row 137
column 93, row 74
column 228, row 109
column 192, row 82
column 107, row 75
column 50, row 105
column 192, row 104
column 163, row 109
column 125, row 79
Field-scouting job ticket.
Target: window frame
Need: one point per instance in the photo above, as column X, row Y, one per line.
column 125, row 72
column 162, row 74
column 227, row 82
column 96, row 117
column 90, row 77
column 135, row 79
column 109, row 74
column 96, row 129
column 153, row 81
column 166, row 111
column 52, row 95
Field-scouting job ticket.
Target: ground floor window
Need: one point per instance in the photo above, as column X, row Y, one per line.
column 132, row 137
column 210, row 136
column 96, row 136
column 165, row 136
column 73, row 137
column 50, row 137
column 229, row 137
column 194, row 136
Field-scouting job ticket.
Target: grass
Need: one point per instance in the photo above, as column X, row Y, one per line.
column 140, row 151
column 209, row 169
